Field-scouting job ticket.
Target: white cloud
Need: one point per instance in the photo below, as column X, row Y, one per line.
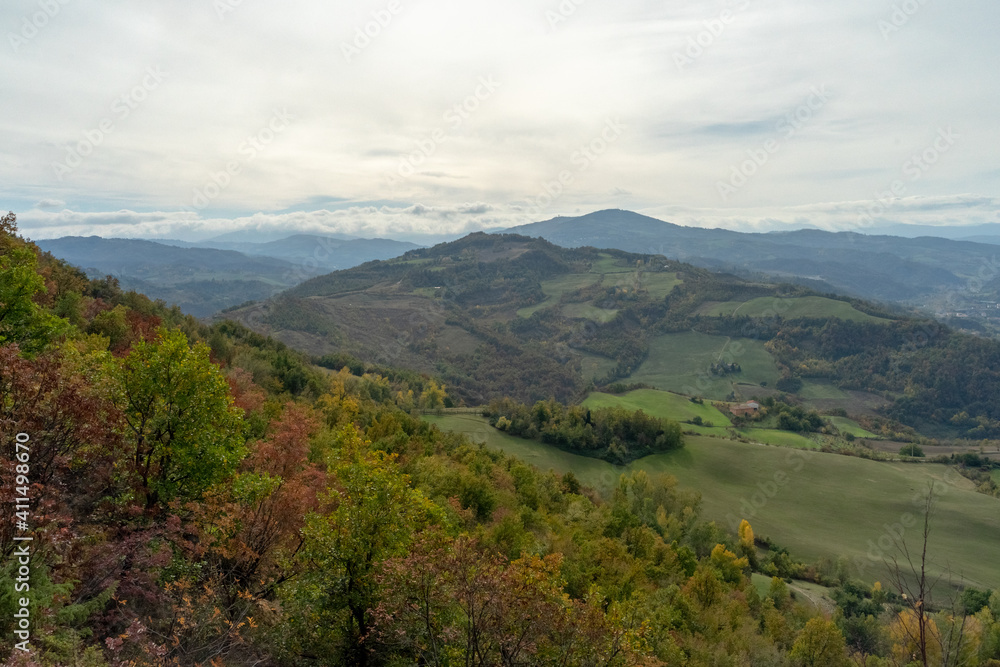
column 356, row 122
column 419, row 221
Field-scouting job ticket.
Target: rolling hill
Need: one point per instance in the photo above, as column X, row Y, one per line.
column 507, row 315
column 944, row 276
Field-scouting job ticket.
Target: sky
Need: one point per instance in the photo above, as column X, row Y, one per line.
column 401, row 118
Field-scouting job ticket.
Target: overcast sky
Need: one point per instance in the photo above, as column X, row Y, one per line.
column 190, row 118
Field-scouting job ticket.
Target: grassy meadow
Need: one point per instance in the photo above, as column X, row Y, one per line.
column 817, row 505
column 791, row 308
column 681, row 362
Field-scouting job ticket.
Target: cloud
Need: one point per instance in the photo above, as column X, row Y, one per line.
column 432, row 222
column 82, row 84
column 47, row 204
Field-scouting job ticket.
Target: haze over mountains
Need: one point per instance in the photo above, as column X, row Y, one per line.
column 956, row 279
column 206, row 277
column 945, row 277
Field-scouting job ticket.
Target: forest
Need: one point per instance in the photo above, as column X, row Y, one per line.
column 204, row 495
column 613, row 434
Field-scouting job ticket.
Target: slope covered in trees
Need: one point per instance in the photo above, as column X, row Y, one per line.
column 203, row 495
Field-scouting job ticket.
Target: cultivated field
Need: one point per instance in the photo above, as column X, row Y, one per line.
column 660, row 404
column 791, row 308
column 817, row 505
column 682, row 363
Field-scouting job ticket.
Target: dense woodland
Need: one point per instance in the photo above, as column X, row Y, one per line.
column 612, row 434
column 203, row 495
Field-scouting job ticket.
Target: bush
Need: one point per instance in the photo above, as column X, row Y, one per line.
column 912, row 450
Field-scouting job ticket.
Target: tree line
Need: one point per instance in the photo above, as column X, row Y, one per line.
column 614, row 434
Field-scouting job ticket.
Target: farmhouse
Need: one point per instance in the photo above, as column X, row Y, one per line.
column 743, row 409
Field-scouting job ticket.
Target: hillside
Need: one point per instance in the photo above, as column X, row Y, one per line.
column 505, row 315
column 946, row 277
column 193, row 494
column 830, row 506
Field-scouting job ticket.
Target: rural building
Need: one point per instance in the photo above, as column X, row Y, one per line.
column 743, row 409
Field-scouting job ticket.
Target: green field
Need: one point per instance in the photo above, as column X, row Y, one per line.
column 594, row 366
column 714, row 431
column 681, row 362
column 555, row 288
column 820, row 390
column 660, row 404
column 817, row 505
column 659, row 285
column 792, row 308
column 779, row 438
column 996, row 476
column 609, row 264
column 846, row 425
column 589, row 312
column 541, row 456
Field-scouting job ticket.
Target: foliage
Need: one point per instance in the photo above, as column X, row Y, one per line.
column 203, row 495
column 820, row 644
column 185, row 429
column 22, row 320
column 614, row 434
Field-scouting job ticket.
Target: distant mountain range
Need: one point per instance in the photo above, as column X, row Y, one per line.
column 204, row 278
column 958, row 279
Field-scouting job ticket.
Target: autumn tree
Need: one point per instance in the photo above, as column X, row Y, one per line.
column 457, row 601
column 22, row 321
column 374, row 514
column 186, row 431
column 820, row 644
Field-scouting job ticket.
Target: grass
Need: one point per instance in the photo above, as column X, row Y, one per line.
column 659, row 285
column 554, row 289
column 996, row 476
column 792, row 308
column 817, row 505
column 779, row 438
column 846, row 425
column 594, row 366
column 589, row 312
column 529, row 451
column 609, row 264
column 681, row 363
column 762, row 583
column 660, row 404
